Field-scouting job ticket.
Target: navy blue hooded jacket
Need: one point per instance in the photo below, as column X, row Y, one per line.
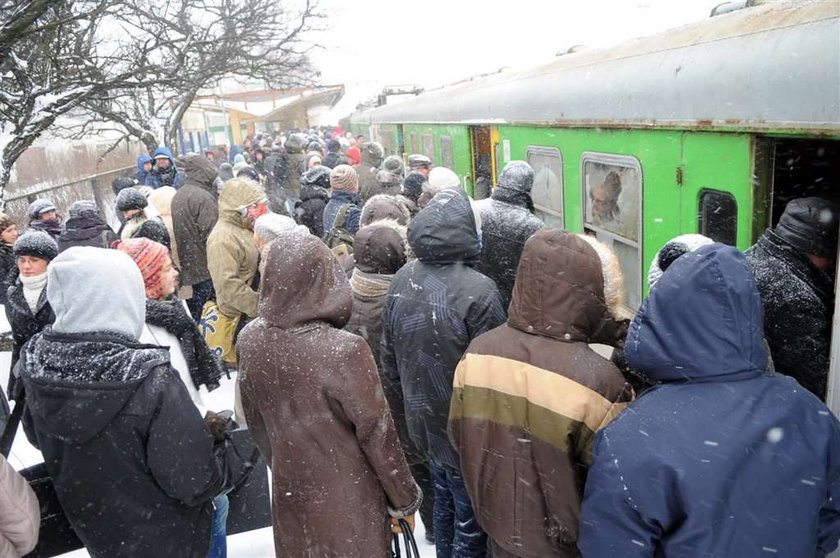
column 722, row 458
column 170, row 176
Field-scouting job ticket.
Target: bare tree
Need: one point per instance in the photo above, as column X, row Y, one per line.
column 54, row 56
column 198, row 43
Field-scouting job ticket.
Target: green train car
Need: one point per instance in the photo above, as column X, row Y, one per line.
column 709, row 128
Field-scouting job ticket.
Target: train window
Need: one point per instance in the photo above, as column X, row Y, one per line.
column 429, row 146
column 415, row 147
column 611, row 188
column 718, row 216
column 446, row 157
column 547, row 192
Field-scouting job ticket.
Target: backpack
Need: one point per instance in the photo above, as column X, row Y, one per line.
column 339, row 235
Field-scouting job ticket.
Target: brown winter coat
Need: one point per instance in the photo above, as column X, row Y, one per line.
column 380, row 251
column 530, row 395
column 232, row 254
column 194, row 214
column 316, row 410
column 367, row 170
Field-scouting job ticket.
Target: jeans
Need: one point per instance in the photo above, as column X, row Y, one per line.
column 218, row 539
column 202, row 292
column 457, row 534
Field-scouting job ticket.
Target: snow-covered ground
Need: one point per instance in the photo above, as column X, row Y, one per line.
column 254, row 544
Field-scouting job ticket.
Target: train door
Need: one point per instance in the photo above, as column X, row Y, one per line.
column 483, row 143
column 798, row 168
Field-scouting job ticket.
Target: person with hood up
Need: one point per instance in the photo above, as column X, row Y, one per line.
column 163, row 172
column 85, row 228
column 354, row 155
column 384, row 206
column 8, row 266
column 27, row 308
column 436, row 305
column 232, row 255
column 372, row 155
column 144, row 167
column 441, row 178
column 43, row 216
column 225, row 172
column 333, row 158
column 134, row 466
column 507, row 222
column 530, row 395
column 721, row 458
column 195, row 212
column 381, row 250
column 314, row 196
column 295, row 166
column 141, row 219
column 331, row 393
column 20, row 514
column 793, row 264
column 341, row 214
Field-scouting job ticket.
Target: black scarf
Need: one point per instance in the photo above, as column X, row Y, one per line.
column 205, row 367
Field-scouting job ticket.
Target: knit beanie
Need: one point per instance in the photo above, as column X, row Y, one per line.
column 344, row 178
column 810, row 226
column 120, row 184
column 39, row 206
column 5, row 222
column 672, row 250
column 441, row 178
column 131, row 198
column 413, row 185
column 37, row 244
column 393, row 164
column 83, row 206
column 271, row 225
column 150, row 257
column 383, row 206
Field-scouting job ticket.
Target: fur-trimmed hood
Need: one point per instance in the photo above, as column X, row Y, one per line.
column 381, row 247
column 568, row 287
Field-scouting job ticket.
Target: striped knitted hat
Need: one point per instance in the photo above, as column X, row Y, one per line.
column 344, row 177
column 150, row 257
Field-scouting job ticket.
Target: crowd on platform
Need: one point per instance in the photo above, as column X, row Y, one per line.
column 402, row 348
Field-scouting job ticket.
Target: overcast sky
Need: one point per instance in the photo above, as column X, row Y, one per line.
column 374, row 43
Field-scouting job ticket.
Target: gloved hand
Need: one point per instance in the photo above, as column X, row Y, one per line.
column 395, row 524
column 216, row 424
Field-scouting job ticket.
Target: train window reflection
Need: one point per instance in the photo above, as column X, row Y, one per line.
column 446, row 158
column 718, row 216
column 611, row 191
column 429, row 146
column 547, row 192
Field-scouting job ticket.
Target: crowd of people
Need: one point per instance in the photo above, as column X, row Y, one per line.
column 401, row 348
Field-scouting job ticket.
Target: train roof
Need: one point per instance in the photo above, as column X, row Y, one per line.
column 773, row 67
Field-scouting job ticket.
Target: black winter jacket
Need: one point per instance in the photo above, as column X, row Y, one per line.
column 86, row 230
column 153, row 229
column 24, row 323
column 797, row 300
column 132, row 462
column 309, row 212
column 436, row 305
column 506, row 223
column 8, row 270
column 195, row 211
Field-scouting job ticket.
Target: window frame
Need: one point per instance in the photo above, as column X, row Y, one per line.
column 550, row 152
column 618, row 160
column 700, row 195
column 428, row 140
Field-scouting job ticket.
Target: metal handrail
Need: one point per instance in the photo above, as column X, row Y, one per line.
column 18, row 194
